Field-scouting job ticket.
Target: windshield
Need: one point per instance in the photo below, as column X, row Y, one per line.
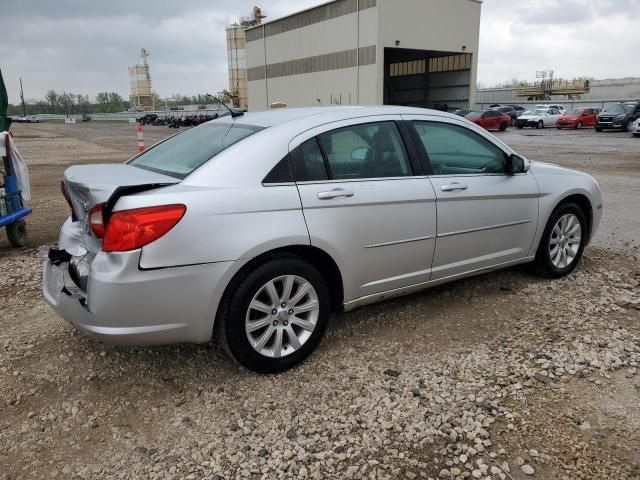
column 180, row 155
column 576, row 112
column 473, row 114
column 618, row 108
column 537, row 112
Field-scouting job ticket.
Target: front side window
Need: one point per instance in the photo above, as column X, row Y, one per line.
column 370, row 150
column 182, row 154
column 455, row 150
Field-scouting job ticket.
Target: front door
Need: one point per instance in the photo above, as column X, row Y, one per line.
column 364, row 204
column 486, row 218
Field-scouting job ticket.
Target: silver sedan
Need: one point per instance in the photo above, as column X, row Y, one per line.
column 253, row 229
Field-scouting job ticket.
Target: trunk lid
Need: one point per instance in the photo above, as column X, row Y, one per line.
column 88, row 185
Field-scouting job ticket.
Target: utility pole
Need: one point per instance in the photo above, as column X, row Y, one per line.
column 24, row 109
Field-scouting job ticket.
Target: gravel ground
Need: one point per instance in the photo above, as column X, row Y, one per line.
column 502, row 376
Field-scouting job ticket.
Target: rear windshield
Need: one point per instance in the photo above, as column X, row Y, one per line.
column 180, row 155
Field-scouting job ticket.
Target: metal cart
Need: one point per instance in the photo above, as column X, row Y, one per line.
column 12, row 209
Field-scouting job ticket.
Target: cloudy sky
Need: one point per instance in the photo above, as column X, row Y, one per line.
column 85, row 46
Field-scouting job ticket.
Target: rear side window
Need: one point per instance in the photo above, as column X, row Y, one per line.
column 180, row 155
column 455, row 150
column 370, row 150
column 307, row 161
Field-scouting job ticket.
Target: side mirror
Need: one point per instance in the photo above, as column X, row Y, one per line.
column 517, row 164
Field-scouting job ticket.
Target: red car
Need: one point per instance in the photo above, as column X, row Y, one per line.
column 490, row 119
column 578, row 118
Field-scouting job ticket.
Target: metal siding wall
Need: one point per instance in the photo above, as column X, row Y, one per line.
column 309, row 17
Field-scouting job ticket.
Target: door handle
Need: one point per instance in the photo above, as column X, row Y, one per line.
column 453, row 186
column 335, row 193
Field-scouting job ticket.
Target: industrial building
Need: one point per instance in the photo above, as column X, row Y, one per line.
column 237, row 57
column 367, row 52
column 141, row 97
column 599, row 91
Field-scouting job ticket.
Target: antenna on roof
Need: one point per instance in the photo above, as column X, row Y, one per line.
column 234, row 113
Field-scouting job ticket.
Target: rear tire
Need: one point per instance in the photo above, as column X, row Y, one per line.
column 267, row 342
column 17, row 233
column 598, row 129
column 578, row 126
column 562, row 244
column 503, row 126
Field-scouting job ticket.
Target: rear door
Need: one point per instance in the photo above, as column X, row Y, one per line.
column 366, row 203
column 486, row 218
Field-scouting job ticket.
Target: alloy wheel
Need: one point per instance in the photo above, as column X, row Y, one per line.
column 282, row 316
column 565, row 240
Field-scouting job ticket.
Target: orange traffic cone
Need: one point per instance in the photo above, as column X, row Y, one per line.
column 140, row 137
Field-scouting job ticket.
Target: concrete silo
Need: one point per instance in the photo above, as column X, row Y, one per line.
column 237, row 57
column 141, row 97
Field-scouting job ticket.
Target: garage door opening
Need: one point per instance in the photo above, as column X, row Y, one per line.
column 427, row 78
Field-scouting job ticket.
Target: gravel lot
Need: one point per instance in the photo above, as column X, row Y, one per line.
column 503, row 376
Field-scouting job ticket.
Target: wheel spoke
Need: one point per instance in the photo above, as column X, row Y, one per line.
column 554, row 241
column 568, row 224
column 273, row 293
column 254, row 325
column 260, row 306
column 265, row 337
column 556, row 258
column 557, row 231
column 301, row 322
column 575, row 240
column 574, row 229
column 312, row 305
column 293, row 338
column 277, row 344
column 302, row 291
column 288, row 285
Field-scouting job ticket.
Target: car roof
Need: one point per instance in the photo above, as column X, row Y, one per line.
column 319, row 115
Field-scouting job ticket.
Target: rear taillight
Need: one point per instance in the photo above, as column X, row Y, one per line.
column 96, row 220
column 131, row 229
column 65, row 194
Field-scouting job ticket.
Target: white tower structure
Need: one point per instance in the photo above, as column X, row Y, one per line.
column 141, row 97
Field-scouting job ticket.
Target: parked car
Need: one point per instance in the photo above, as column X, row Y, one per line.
column 147, row 118
column 26, row 119
column 258, row 227
column 490, row 119
column 578, row 118
column 635, row 128
column 539, row 118
column 509, row 111
column 618, row 116
column 518, row 108
column 556, row 106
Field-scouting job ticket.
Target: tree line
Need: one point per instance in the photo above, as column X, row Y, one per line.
column 67, row 103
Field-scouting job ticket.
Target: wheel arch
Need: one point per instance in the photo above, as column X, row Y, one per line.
column 580, row 199
column 315, row 256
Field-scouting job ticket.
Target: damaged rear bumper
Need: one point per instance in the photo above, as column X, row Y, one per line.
column 125, row 305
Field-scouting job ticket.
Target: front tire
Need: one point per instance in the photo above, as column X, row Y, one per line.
column 578, row 125
column 562, row 242
column 540, row 124
column 276, row 316
column 503, row 126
